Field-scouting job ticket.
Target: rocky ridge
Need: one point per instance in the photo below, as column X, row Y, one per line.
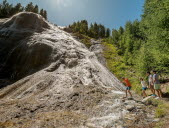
column 57, row 81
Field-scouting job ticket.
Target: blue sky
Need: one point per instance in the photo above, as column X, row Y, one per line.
column 111, row 13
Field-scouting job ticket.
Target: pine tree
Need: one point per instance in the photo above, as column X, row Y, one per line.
column 5, row 9
column 101, row 31
column 36, row 9
column 121, row 30
column 91, row 30
column 16, row 9
column 84, row 27
column 145, row 60
column 96, row 30
column 29, row 7
column 45, row 14
column 107, row 32
column 77, row 27
column 155, row 28
column 115, row 37
column 42, row 12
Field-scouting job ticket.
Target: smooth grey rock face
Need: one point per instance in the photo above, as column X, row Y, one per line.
column 57, row 76
column 49, row 47
column 19, row 52
column 97, row 48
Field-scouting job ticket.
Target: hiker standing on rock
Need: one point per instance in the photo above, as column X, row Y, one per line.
column 156, row 83
column 128, row 86
column 150, row 82
column 144, row 87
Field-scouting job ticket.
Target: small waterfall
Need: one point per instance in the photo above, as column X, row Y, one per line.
column 58, row 74
column 109, row 80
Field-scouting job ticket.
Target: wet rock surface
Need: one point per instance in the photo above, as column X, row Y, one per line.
column 58, row 81
column 97, row 48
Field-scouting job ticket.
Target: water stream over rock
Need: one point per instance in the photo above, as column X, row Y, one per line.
column 58, row 82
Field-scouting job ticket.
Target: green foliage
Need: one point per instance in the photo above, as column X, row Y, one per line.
column 114, row 61
column 160, row 124
column 155, row 27
column 29, row 7
column 144, row 45
column 116, row 64
column 115, row 37
column 102, row 31
column 162, row 109
column 84, row 39
column 107, row 32
column 160, row 112
column 41, row 12
column 141, row 46
column 145, row 60
column 36, row 9
column 94, row 30
column 7, row 10
column 45, row 14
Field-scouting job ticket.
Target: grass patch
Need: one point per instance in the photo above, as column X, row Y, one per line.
column 115, row 63
column 162, row 107
column 86, row 42
column 84, row 39
column 159, row 125
column 161, row 111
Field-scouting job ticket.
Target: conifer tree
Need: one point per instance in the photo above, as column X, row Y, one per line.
column 36, row 9
column 29, row 7
column 6, row 9
column 45, row 14
column 96, row 30
column 42, row 12
column 91, row 30
column 107, row 32
column 121, row 30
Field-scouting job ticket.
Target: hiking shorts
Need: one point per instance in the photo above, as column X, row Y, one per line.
column 156, row 86
column 144, row 88
column 128, row 88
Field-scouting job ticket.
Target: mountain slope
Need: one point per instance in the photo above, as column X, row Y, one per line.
column 53, row 74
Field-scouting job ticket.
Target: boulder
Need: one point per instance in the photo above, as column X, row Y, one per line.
column 130, row 107
column 146, row 100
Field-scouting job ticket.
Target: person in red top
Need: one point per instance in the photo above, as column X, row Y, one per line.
column 128, row 86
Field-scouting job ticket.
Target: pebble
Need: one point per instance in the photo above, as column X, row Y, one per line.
column 156, row 120
column 130, row 107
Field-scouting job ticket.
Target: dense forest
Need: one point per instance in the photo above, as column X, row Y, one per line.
column 7, row 10
column 94, row 30
column 140, row 45
column 145, row 44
